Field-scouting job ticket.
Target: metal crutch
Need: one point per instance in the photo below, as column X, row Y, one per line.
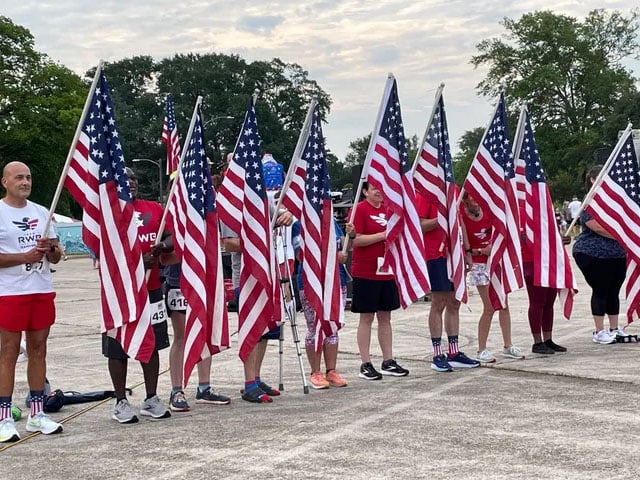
column 290, row 312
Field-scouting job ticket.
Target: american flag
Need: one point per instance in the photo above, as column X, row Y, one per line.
column 616, row 206
column 390, row 172
column 98, row 181
column 551, row 265
column 243, row 207
column 318, row 235
column 433, row 179
column 197, row 244
column 491, row 181
column 170, row 136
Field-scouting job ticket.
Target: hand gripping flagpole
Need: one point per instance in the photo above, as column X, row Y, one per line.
column 598, row 181
column 297, row 153
column 72, row 149
column 429, row 123
column 367, row 160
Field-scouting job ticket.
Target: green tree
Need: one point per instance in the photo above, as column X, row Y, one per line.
column 468, row 145
column 357, row 151
column 572, row 76
column 570, row 73
column 40, row 104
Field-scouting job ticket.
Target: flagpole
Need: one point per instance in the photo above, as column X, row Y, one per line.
column 517, row 145
column 179, row 170
column 436, row 102
column 72, row 149
column 365, row 167
column 598, row 180
column 297, row 153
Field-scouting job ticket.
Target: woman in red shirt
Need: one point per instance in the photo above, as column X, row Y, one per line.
column 478, row 231
column 374, row 291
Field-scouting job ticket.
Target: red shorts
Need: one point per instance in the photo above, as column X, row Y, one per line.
column 283, row 272
column 21, row 313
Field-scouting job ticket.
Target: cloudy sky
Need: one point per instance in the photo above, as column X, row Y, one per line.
column 348, row 46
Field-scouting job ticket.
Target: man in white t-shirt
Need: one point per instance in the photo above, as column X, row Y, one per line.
column 26, row 297
column 574, row 207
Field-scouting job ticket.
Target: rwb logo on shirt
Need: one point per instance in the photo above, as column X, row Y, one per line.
column 27, row 224
column 380, row 219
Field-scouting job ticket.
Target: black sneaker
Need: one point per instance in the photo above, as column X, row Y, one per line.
column 542, row 348
column 212, row 397
column 554, row 346
column 390, row 367
column 368, row 372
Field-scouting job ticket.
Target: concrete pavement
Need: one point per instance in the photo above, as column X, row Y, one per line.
column 562, row 416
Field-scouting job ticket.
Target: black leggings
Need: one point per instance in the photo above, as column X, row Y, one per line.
column 605, row 276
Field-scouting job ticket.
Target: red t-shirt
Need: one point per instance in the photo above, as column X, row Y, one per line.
column 364, row 261
column 149, row 215
column 479, row 233
column 435, row 241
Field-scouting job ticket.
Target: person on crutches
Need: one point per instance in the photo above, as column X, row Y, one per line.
column 255, row 390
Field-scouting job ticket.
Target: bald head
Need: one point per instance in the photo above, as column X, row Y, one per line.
column 16, row 179
column 11, row 166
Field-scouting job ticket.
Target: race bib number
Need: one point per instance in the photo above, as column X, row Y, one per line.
column 176, row 300
column 158, row 312
column 35, row 267
column 383, row 270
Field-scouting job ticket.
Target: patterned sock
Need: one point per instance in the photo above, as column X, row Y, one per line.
column 203, row 386
column 5, row 408
column 453, row 345
column 37, row 399
column 437, row 346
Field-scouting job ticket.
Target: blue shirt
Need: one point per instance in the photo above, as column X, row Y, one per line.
column 595, row 245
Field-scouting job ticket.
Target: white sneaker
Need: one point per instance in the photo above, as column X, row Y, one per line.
column 154, row 408
column 513, row 352
column 618, row 332
column 8, row 432
column 41, row 422
column 124, row 413
column 603, row 337
column 485, row 356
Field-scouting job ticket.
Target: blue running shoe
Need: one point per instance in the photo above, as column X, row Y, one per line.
column 440, row 364
column 460, row 360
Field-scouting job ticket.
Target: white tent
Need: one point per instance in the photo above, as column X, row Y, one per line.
column 62, row 219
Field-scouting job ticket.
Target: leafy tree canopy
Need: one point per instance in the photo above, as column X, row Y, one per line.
column 572, row 76
column 40, row 103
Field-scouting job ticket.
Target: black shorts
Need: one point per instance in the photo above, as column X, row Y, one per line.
column 112, row 349
column 438, row 275
column 370, row 296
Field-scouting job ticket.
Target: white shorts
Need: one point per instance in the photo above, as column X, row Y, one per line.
column 478, row 275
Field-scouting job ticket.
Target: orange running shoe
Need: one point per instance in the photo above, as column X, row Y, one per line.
column 317, row 381
column 335, row 380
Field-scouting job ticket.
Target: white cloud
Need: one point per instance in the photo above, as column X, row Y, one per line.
column 348, row 46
